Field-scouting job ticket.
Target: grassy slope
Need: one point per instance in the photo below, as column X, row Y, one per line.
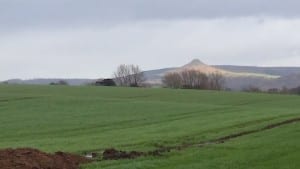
column 78, row 119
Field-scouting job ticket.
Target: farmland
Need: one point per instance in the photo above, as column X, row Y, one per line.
column 91, row 119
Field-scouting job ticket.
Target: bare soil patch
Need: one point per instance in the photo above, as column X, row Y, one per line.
column 27, row 158
column 113, row 154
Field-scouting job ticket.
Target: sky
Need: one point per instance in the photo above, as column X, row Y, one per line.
column 90, row 38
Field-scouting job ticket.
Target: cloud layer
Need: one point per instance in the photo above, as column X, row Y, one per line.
column 75, row 39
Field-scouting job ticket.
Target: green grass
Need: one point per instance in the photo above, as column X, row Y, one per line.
column 276, row 149
column 79, row 119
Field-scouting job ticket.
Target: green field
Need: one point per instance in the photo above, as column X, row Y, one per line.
column 84, row 119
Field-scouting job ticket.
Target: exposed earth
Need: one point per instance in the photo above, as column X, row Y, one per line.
column 27, row 158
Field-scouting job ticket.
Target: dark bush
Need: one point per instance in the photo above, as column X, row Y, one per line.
column 105, row 82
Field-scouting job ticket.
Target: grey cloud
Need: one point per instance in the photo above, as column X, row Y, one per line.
column 95, row 52
column 30, row 13
column 89, row 38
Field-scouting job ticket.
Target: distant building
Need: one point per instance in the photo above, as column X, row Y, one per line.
column 105, row 82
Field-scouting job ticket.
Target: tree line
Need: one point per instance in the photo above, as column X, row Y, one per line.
column 283, row 90
column 133, row 76
column 193, row 79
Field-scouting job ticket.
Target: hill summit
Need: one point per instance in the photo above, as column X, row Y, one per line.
column 198, row 65
column 195, row 62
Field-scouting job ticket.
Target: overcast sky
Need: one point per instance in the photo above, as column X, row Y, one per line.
column 90, row 38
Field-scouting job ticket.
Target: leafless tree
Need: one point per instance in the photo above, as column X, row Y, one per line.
column 202, row 81
column 129, row 75
column 216, row 81
column 194, row 79
column 187, row 79
column 172, row 80
column 137, row 76
column 121, row 75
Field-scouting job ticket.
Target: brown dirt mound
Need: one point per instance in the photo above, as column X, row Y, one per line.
column 113, row 154
column 27, row 158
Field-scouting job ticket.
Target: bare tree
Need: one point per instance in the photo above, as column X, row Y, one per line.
column 172, row 80
column 216, row 81
column 193, row 79
column 188, row 79
column 122, row 75
column 202, row 81
column 137, row 76
column 129, row 75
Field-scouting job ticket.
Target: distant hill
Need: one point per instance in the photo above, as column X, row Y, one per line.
column 200, row 66
column 236, row 77
column 290, row 81
column 239, row 77
column 277, row 71
column 154, row 76
column 41, row 81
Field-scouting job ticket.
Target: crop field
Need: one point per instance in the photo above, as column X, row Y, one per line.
column 196, row 129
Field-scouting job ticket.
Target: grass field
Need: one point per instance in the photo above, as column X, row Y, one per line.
column 82, row 119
